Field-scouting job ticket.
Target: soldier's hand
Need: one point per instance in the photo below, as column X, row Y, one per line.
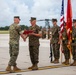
column 58, row 42
column 24, row 39
column 69, row 42
column 31, row 33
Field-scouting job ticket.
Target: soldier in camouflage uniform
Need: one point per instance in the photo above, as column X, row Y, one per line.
column 14, row 34
column 55, row 41
column 34, row 43
column 64, row 44
column 74, row 42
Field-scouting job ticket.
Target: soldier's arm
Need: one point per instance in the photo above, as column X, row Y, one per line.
column 39, row 34
column 59, row 35
column 18, row 28
column 54, row 31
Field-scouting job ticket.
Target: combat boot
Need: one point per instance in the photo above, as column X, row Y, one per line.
column 15, row 68
column 74, row 63
column 8, row 68
column 53, row 61
column 56, row 61
column 66, row 62
column 31, row 67
column 35, row 67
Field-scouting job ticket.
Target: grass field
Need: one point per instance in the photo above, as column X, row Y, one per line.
column 4, row 32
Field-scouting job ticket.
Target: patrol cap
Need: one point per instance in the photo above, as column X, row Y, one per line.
column 17, row 17
column 33, row 18
column 74, row 20
column 53, row 20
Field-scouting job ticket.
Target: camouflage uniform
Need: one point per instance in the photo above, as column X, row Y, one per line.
column 54, row 41
column 34, row 45
column 14, row 33
column 43, row 34
column 74, row 43
column 64, row 44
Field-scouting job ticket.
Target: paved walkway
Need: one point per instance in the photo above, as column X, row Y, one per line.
column 23, row 60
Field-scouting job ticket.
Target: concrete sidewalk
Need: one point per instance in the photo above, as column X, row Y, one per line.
column 23, row 60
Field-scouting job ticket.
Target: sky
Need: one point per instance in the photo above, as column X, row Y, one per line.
column 41, row 9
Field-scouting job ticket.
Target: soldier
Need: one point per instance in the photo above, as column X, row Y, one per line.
column 43, row 33
column 55, row 41
column 74, row 42
column 51, row 55
column 64, row 44
column 34, row 43
column 14, row 34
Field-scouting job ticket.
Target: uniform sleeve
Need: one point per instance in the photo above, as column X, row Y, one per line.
column 39, row 31
column 54, row 31
column 18, row 28
column 58, row 29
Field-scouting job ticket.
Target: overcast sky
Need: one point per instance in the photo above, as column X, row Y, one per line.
column 41, row 9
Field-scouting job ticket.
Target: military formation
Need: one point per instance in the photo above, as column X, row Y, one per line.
column 56, row 43
column 14, row 36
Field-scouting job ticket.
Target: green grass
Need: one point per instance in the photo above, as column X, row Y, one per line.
column 4, row 32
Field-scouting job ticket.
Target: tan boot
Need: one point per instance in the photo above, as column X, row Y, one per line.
column 74, row 63
column 35, row 67
column 66, row 62
column 31, row 67
column 8, row 68
column 56, row 61
column 53, row 61
column 15, row 68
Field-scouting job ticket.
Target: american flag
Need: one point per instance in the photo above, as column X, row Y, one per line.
column 62, row 19
column 61, row 26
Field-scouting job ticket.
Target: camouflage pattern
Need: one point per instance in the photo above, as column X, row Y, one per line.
column 55, row 34
column 64, row 44
column 14, row 34
column 33, row 40
column 54, row 41
column 56, row 51
column 14, row 51
column 43, row 34
column 74, row 42
column 34, row 54
column 34, row 45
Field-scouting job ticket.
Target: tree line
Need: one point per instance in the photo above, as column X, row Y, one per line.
column 7, row 27
column 22, row 27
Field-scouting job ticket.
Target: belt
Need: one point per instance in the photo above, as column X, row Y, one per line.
column 63, row 38
column 73, row 38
